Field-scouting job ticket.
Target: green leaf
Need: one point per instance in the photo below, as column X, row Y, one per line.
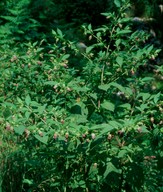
column 59, row 32
column 88, row 49
column 110, row 168
column 118, row 86
column 90, row 27
column 43, row 139
column 108, row 14
column 106, row 130
column 53, row 32
column 156, row 97
column 145, row 96
column 103, row 29
column 93, row 95
column 27, row 100
column 50, row 83
column 41, row 109
column 126, row 106
column 143, row 107
column 118, row 41
column 102, row 126
column 119, row 60
column 115, row 124
column 98, row 34
column 117, row 3
column 27, row 114
column 108, row 106
column 104, row 87
column 122, row 153
column 139, row 54
column 149, row 49
column 7, row 113
column 64, row 57
column 125, row 31
column 9, row 105
column 27, row 181
column 144, row 129
column 19, row 130
column 81, row 183
column 145, row 79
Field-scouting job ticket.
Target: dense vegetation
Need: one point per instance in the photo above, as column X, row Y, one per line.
column 81, row 96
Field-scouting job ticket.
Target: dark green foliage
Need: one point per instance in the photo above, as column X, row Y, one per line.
column 77, row 118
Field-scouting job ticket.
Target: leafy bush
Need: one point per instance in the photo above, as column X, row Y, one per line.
column 83, row 121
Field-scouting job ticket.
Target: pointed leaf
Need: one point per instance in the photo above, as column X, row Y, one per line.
column 88, row 49
column 125, row 31
column 66, row 56
column 104, row 87
column 119, row 60
column 59, row 32
column 28, row 100
column 102, row 126
column 156, row 97
column 19, row 130
column 117, row 3
column 110, row 168
column 43, row 139
column 108, row 106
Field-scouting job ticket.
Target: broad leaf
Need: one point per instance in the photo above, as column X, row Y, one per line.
column 108, row 106
column 119, row 60
column 110, row 168
column 104, row 87
column 20, row 129
column 43, row 139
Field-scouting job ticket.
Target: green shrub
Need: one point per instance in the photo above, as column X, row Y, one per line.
column 84, row 121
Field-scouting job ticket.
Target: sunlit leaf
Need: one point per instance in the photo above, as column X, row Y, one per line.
column 119, row 60
column 104, row 87
column 20, row 129
column 43, row 139
column 108, row 105
column 117, row 3
column 27, row 100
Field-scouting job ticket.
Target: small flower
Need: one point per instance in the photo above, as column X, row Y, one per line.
column 40, row 133
column 90, row 37
column 14, row 58
column 66, row 135
column 8, row 127
column 93, row 136
column 121, row 132
column 39, row 62
column 109, row 136
column 139, row 130
column 152, row 119
column 84, row 135
column 81, row 47
column 62, row 121
column 132, row 72
column 87, row 140
column 69, row 89
column 55, row 87
column 27, row 133
column 65, row 65
column 152, row 57
column 95, row 165
column 78, row 100
column 51, row 51
column 55, row 136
